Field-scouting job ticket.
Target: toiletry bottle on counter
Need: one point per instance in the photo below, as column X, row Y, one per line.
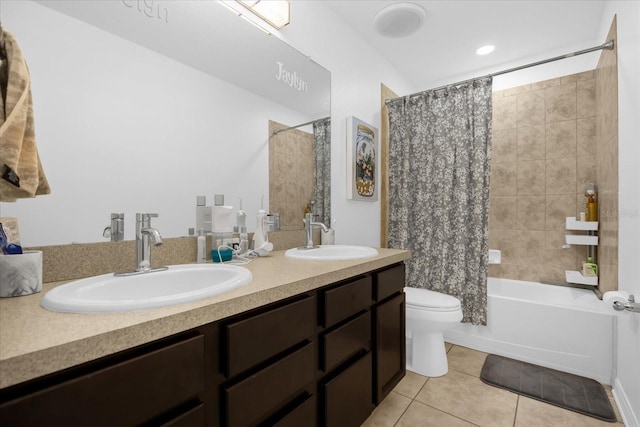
column 202, row 247
column 221, row 215
column 203, row 214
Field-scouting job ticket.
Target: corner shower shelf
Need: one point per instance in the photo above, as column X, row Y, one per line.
column 590, row 239
column 577, row 277
column 572, row 223
column 574, row 239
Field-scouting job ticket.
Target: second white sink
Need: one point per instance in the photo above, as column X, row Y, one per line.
column 178, row 284
column 332, row 253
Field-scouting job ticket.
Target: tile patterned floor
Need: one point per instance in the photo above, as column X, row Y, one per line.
column 460, row 398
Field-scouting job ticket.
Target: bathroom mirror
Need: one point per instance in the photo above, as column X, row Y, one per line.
column 141, row 106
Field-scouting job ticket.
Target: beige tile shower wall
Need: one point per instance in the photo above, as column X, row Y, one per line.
column 607, row 163
column 291, row 174
column 544, row 154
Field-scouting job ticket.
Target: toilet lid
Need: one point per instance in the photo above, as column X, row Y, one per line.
column 426, row 299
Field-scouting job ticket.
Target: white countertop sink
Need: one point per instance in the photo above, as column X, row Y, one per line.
column 177, row 284
column 332, row 253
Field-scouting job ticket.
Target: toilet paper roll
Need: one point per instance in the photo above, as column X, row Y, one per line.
column 610, row 297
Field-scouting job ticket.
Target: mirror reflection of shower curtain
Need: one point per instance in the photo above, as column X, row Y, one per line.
column 322, row 187
column 439, row 164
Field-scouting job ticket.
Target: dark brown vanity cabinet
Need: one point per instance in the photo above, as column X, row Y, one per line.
column 389, row 348
column 322, row 358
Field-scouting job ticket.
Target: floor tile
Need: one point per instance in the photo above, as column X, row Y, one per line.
column 533, row 413
column 466, row 397
column 411, row 384
column 447, row 346
column 421, row 415
column 465, row 360
column 389, row 411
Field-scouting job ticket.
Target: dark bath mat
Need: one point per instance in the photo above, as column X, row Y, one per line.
column 568, row 391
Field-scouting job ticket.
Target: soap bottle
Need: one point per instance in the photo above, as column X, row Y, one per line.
column 202, row 247
column 307, row 210
column 592, row 207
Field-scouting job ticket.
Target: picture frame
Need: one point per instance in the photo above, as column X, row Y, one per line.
column 362, row 160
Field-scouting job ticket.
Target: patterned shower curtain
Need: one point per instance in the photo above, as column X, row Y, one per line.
column 322, row 185
column 439, row 162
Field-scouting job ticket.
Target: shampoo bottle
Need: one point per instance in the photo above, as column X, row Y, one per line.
column 592, row 208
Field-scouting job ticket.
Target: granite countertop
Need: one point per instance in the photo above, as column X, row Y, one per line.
column 36, row 342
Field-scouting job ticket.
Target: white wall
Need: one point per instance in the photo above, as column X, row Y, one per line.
column 356, row 74
column 121, row 128
column 627, row 382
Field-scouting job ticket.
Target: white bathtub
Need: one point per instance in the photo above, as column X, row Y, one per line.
column 558, row 327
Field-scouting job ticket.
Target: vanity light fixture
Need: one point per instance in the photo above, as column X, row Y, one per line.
column 485, row 50
column 274, row 12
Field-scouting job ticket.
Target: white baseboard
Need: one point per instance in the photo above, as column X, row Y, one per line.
column 624, row 406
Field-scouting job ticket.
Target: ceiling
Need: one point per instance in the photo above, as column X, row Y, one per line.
column 443, row 50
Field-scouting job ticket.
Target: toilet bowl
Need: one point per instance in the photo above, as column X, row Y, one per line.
column 429, row 314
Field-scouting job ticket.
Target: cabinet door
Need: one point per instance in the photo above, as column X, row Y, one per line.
column 346, row 300
column 389, row 346
column 257, row 338
column 345, row 341
column 347, row 397
column 389, row 282
column 262, row 393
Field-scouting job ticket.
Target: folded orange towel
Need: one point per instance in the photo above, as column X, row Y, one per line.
column 21, row 173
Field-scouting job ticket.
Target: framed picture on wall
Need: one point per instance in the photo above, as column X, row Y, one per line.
column 362, row 160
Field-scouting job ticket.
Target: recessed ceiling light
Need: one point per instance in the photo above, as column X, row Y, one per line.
column 484, row 50
column 399, row 20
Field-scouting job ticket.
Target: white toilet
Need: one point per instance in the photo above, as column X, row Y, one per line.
column 429, row 314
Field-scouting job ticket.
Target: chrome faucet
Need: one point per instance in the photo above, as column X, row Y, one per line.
column 309, row 224
column 144, row 233
column 115, row 231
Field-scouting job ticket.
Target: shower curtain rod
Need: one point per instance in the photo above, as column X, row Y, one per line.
column 608, row 45
column 275, row 132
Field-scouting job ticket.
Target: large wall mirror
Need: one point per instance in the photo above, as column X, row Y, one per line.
column 141, row 106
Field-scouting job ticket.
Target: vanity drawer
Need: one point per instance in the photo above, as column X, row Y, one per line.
column 193, row 418
column 125, row 394
column 347, row 397
column 303, row 415
column 253, row 340
column 257, row 396
column 346, row 300
column 345, row 341
column 389, row 282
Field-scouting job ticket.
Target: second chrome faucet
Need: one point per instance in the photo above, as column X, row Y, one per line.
column 309, row 225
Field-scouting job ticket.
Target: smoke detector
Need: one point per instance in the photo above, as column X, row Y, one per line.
column 399, row 20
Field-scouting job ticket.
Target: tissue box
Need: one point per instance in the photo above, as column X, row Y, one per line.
column 20, row 274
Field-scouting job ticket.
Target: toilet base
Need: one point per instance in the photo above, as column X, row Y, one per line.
column 427, row 354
